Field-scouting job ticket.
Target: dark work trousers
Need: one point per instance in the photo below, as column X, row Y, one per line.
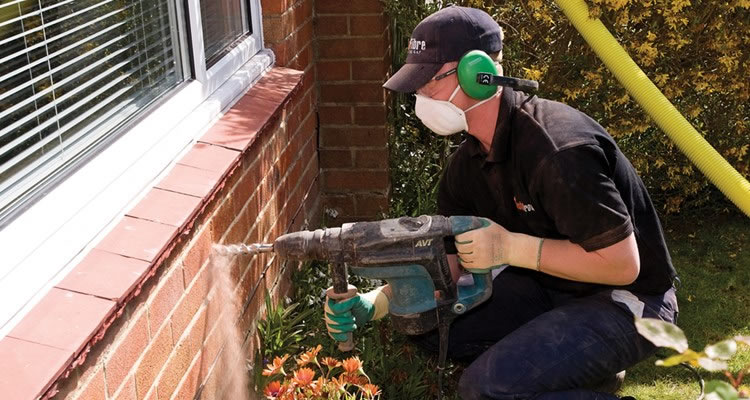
column 530, row 342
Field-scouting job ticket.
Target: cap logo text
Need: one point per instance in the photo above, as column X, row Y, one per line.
column 416, row 46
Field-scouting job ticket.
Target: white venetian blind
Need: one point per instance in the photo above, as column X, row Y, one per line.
column 71, row 73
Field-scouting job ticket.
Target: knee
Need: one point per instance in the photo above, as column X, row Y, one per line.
column 477, row 383
column 469, row 387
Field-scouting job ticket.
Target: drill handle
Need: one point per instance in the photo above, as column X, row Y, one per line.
column 463, row 223
column 340, row 296
column 472, row 295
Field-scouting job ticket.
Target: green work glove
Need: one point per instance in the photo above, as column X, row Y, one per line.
column 346, row 316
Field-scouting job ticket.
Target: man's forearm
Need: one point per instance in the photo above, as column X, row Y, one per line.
column 617, row 264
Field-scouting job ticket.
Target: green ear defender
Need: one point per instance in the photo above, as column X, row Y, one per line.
column 479, row 79
column 471, row 64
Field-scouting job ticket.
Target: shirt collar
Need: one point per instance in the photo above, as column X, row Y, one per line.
column 500, row 141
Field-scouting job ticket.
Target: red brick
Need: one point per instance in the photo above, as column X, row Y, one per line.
column 335, row 158
column 347, row 6
column 334, row 70
column 301, row 112
column 303, row 59
column 222, row 219
column 293, row 178
column 170, row 290
column 370, row 115
column 153, row 361
column 238, row 231
column 370, row 70
column 290, row 154
column 352, row 93
column 335, row 115
column 191, row 302
column 307, row 128
column 338, row 48
column 197, row 255
column 128, row 391
column 367, row 24
column 152, row 395
column 124, row 356
column 353, row 136
column 176, row 367
column 244, row 190
column 94, row 389
column 288, row 48
column 197, row 331
column 371, row 158
column 212, row 344
column 303, row 12
column 272, row 29
column 335, row 180
column 303, row 37
column 331, row 25
column 371, row 205
column 190, row 384
column 275, row 6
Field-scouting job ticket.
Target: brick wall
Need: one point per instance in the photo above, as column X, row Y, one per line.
column 324, row 145
column 353, row 50
column 167, row 342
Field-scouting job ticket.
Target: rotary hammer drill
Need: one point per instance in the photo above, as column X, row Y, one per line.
column 408, row 253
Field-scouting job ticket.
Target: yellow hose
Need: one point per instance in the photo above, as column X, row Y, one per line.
column 695, row 147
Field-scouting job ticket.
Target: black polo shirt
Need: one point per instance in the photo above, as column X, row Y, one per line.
column 553, row 172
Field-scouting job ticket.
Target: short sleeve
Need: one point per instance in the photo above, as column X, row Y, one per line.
column 577, row 192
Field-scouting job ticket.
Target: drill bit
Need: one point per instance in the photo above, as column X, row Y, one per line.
column 242, row 248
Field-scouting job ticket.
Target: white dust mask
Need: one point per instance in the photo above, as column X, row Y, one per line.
column 441, row 116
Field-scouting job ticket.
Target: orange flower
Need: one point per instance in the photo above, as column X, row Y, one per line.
column 354, row 379
column 276, row 367
column 370, row 390
column 352, row 364
column 272, row 390
column 331, row 362
column 303, row 376
column 309, row 356
column 339, row 383
column 318, row 385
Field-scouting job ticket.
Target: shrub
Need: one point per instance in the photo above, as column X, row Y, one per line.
column 697, row 53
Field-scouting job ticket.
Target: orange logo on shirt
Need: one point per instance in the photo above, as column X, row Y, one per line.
column 523, row 207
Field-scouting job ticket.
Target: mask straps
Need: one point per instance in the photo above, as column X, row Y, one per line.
column 450, row 99
column 483, row 101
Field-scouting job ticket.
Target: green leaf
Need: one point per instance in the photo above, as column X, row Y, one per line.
column 720, row 390
column 662, row 334
column 712, row 365
column 687, row 356
column 723, row 350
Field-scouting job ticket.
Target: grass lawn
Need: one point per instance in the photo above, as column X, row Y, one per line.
column 711, row 255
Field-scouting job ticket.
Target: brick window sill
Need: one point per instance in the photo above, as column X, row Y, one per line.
column 57, row 334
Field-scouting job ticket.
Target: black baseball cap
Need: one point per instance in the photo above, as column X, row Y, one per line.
column 444, row 36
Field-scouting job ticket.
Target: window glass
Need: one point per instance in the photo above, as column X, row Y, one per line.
column 224, row 23
column 71, row 73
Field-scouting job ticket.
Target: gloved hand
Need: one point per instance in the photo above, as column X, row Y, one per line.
column 348, row 315
column 483, row 249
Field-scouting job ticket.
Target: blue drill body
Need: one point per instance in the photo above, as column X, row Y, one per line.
column 408, row 253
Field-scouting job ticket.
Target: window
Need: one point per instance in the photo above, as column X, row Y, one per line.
column 97, row 99
column 223, row 24
column 72, row 71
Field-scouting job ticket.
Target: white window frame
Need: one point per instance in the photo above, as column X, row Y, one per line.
column 44, row 243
